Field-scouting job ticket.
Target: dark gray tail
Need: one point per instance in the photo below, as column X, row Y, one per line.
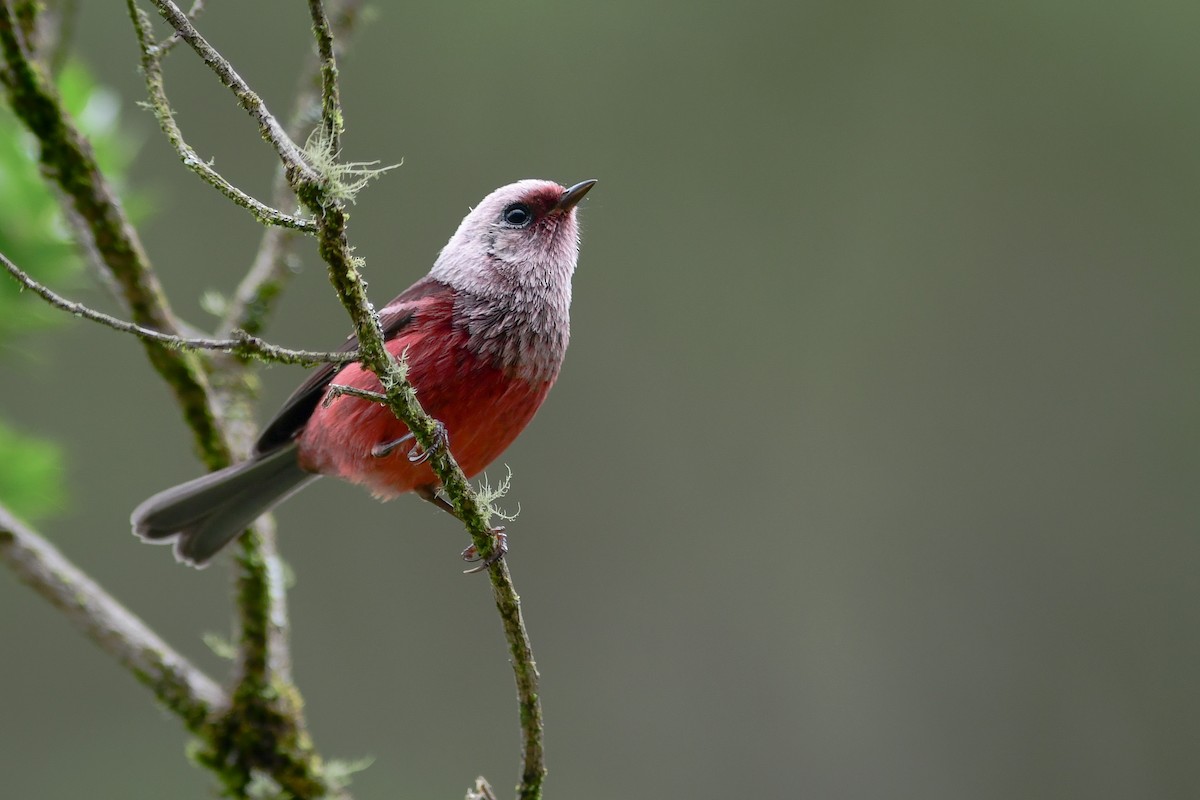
column 205, row 514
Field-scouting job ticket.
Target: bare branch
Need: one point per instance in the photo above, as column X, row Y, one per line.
column 193, row 14
column 266, row 708
column 243, row 345
column 178, row 685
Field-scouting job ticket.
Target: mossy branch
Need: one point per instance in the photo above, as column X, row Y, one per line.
column 193, row 14
column 332, row 124
column 258, row 730
column 265, row 702
column 402, row 400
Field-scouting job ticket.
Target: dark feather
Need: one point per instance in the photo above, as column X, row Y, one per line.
column 294, row 413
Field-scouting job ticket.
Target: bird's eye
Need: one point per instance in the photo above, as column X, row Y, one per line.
column 518, row 215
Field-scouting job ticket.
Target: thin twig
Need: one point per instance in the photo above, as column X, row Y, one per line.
column 178, row 684
column 243, row 345
column 533, row 756
column 331, row 103
column 288, row 151
column 193, row 14
column 161, row 106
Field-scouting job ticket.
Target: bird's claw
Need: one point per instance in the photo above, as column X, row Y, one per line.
column 440, row 439
column 384, row 449
column 499, row 550
column 416, row 455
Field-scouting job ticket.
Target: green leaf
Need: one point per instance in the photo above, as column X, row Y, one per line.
column 34, row 235
column 31, row 475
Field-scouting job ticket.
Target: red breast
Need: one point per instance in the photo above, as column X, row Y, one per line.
column 484, row 406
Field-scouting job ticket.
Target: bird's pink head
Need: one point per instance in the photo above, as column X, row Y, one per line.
column 521, row 238
column 511, row 262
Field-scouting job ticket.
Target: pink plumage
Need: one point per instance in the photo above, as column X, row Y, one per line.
column 482, row 404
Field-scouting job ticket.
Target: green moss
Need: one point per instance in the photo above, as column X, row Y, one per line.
column 259, row 737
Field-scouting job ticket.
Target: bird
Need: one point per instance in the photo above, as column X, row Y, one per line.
column 484, row 334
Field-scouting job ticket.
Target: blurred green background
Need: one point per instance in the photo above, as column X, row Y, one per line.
column 872, row 471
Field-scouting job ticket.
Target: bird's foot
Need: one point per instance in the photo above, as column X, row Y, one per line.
column 499, row 549
column 416, row 455
column 440, row 439
column 336, row 390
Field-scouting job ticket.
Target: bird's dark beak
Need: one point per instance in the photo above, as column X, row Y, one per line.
column 571, row 197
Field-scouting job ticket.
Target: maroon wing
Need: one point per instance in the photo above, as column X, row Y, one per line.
column 293, row 415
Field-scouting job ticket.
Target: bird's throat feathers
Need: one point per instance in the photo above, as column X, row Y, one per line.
column 523, row 334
